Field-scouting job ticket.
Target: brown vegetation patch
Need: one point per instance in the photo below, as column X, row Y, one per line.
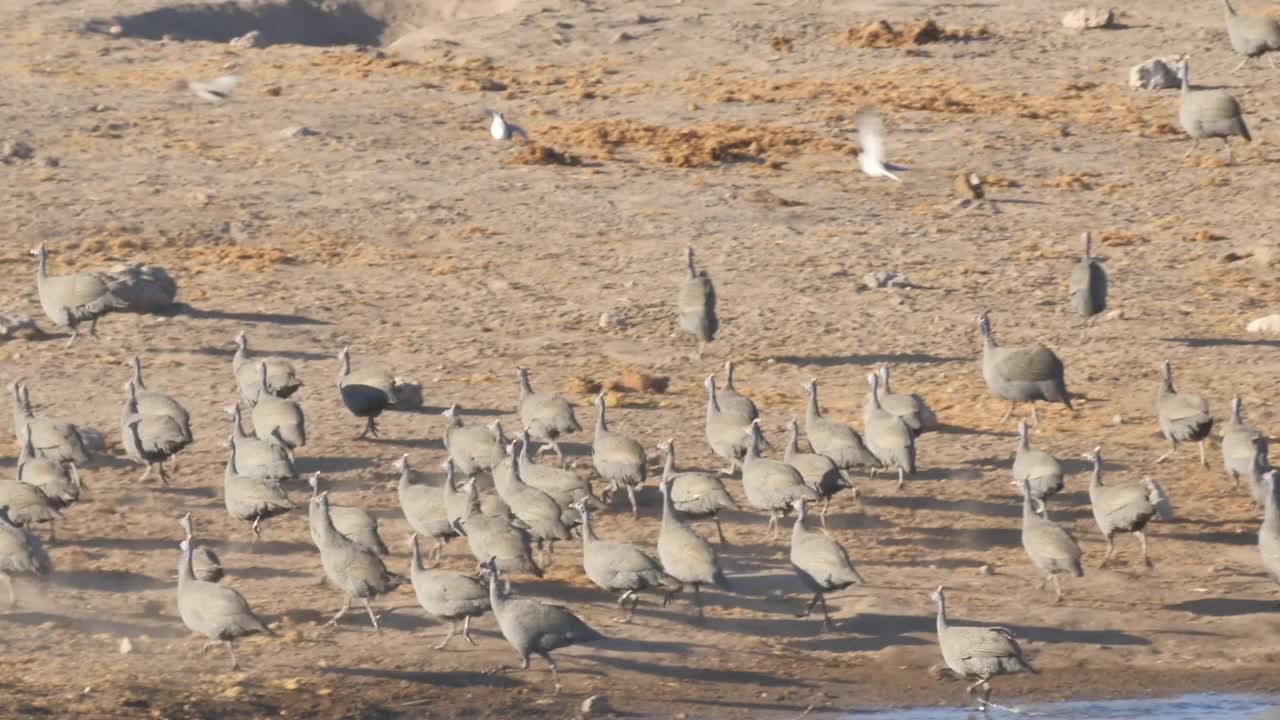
column 1072, row 181
column 538, row 154
column 880, row 34
column 692, row 147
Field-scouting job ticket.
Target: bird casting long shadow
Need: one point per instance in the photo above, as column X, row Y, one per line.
column 96, row 625
column 1226, row 607
column 117, row 581
column 1244, row 537
column 951, row 538
column 1222, row 342
column 249, row 317
column 455, row 678
column 680, row 672
column 306, row 465
column 890, row 358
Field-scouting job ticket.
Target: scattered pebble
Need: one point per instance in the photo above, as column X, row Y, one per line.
column 1155, row 74
column 595, row 704
column 116, row 30
column 1117, row 419
column 986, row 570
column 885, row 279
column 612, row 319
column 1115, row 315
column 17, row 150
column 126, row 647
column 621, row 38
column 297, row 131
column 248, row 40
column 1086, row 18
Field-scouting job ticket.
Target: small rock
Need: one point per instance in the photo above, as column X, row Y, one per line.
column 1268, row 324
column 637, row 381
column 116, row 30
column 621, row 38
column 16, row 149
column 1155, row 74
column 1232, row 256
column 968, row 185
column 18, row 326
column 126, row 647
column 612, row 319
column 407, row 394
column 986, row 570
column 98, row 108
column 247, row 40
column 1086, row 18
column 297, row 132
column 1115, row 315
column 1117, row 419
column 273, row 90
column 51, row 161
column 595, row 704
column 885, row 279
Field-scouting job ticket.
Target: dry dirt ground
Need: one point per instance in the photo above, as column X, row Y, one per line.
column 400, row 228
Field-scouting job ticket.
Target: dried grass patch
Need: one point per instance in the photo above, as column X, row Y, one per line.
column 880, row 34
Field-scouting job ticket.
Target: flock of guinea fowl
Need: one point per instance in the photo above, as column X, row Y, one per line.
column 506, row 503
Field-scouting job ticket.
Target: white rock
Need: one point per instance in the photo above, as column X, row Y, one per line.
column 1087, row 18
column 1155, row 74
column 1268, row 324
column 126, row 647
column 595, row 704
column 612, row 319
column 297, row 131
column 248, row 40
column 1115, row 315
column 885, row 279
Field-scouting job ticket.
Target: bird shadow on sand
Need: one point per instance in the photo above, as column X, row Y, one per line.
column 415, row 443
column 874, row 359
column 116, row 581
column 975, row 508
column 248, row 317
column 130, row 544
column 95, row 625
column 229, row 351
column 264, row 573
column 679, row 672
column 951, row 538
column 187, row 492
column 1221, row 342
column 1244, row 537
column 305, row 465
column 267, row 547
column 945, row 429
column 453, row 679
column 1226, row 607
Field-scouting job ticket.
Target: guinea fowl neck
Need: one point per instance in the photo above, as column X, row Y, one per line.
column 1028, row 509
column 693, row 270
column 942, row 614
column 1088, row 248
column 415, row 562
column 1237, row 417
column 1184, row 77
column 713, row 405
column 793, row 441
column 753, row 445
column 728, row 377
column 42, row 263
column 496, row 600
column 1226, row 5
column 668, row 509
column 602, row 425
column 185, row 573
column 1024, row 440
column 988, row 340
column 799, row 528
column 588, row 536
column 525, row 388
column 874, row 382
column 344, row 365
column 327, row 529
column 1166, row 380
column 1095, row 479
column 669, row 462
column 137, row 373
column 811, row 411
column 1271, row 510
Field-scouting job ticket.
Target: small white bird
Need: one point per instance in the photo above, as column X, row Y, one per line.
column 871, row 137
column 215, row 90
column 500, row 129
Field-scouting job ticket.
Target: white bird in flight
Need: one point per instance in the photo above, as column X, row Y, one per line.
column 871, row 137
column 500, row 129
column 215, row 90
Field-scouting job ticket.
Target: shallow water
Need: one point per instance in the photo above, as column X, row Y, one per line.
column 1186, row 707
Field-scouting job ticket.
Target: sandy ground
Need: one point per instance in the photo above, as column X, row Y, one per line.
column 401, row 229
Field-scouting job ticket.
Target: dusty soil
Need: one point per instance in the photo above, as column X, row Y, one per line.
column 402, row 229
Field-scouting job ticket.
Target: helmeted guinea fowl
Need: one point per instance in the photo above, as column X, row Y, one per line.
column 1258, row 466
column 60, row 482
column 149, row 440
column 205, row 563
column 1019, row 375
column 68, row 300
column 458, row 499
column 1209, row 114
column 216, row 611
column 536, row 628
column 1087, row 288
column 821, row 562
column 251, row 499
column 277, row 420
column 494, row 537
column 888, row 437
column 725, row 432
column 546, row 415
column 353, row 568
column 1182, row 417
column 355, row 524
column 1269, row 533
column 21, row 553
column 447, row 595
column 563, row 485
column 151, row 402
column 1238, row 448
column 423, row 506
column 819, row 471
column 733, row 402
column 1251, row 36
column 366, row 392
column 771, row 486
column 536, row 509
column 1125, row 508
column 258, row 458
column 621, row 567
column 471, row 447
column 684, row 554
column 282, row 378
column 28, row 505
column 833, row 438
column 978, row 653
column 1039, row 469
column 50, row 438
column 1051, row 548
column 911, row 409
column 696, row 304
column 620, row 460
column 695, row 494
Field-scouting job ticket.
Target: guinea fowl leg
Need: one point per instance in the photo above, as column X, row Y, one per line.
column 1007, row 413
column 370, row 428
column 1057, row 589
column 1035, row 416
column 720, row 530
column 809, row 608
column 559, row 455
column 1142, row 540
column 1195, row 143
column 555, row 674
column 773, row 525
column 826, row 615
column 635, row 512
column 1203, row 462
column 1242, row 64
column 75, row 333
column 1230, row 156
column 1111, row 548
column 257, row 531
column 372, row 618
column 346, row 605
column 466, row 630
column 697, row 599
column 235, row 664
column 622, row 603
column 453, row 628
column 164, row 474
column 13, row 596
column 146, row 474
column 1173, row 446
column 826, row 505
column 902, row 476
